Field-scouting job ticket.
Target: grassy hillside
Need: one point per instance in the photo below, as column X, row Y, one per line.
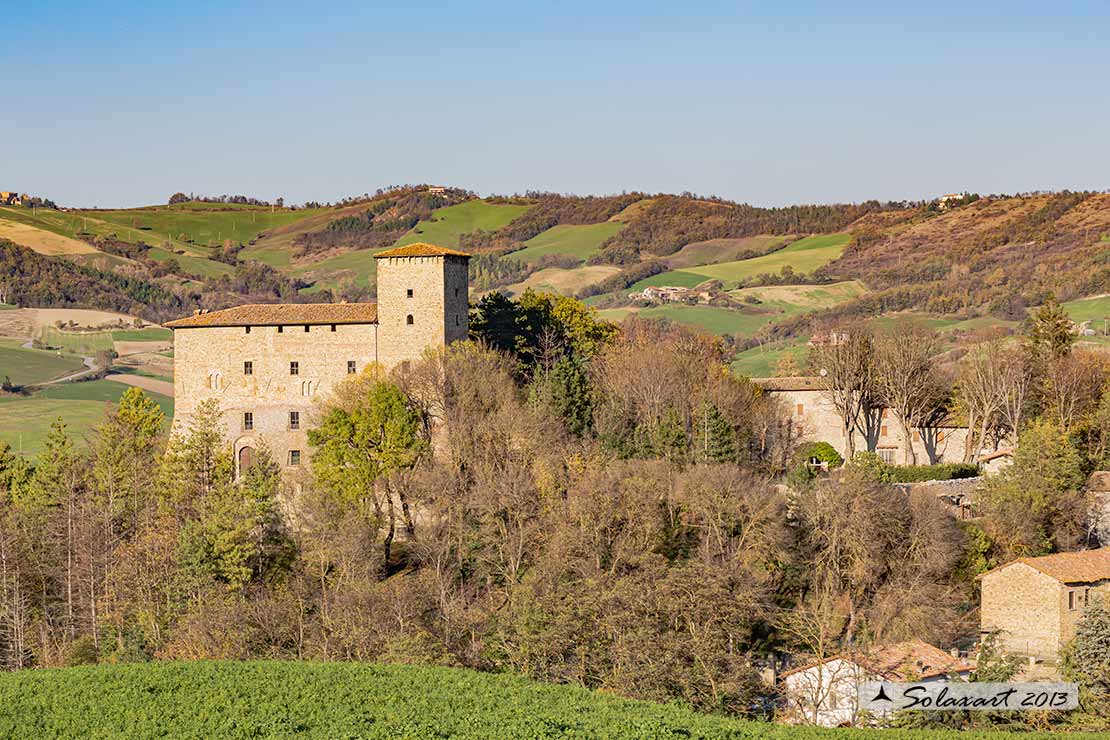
column 803, row 256
column 324, row 701
column 25, row 421
column 358, row 266
column 26, row 366
column 711, row 318
column 713, row 251
column 448, row 223
column 570, row 240
column 1096, row 310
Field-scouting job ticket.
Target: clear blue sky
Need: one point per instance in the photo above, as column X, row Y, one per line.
column 122, row 103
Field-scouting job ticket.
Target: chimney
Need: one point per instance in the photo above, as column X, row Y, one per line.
column 196, row 312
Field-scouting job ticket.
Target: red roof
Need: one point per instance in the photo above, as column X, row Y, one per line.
column 421, row 249
column 276, row 314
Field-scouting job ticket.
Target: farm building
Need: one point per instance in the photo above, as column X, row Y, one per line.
column 1034, row 603
column 825, row 692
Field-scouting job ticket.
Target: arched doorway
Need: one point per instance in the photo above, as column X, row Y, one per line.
column 246, row 459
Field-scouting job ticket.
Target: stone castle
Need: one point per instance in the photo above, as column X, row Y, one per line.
column 269, row 365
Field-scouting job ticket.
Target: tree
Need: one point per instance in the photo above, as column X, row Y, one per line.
column 372, row 433
column 907, row 381
column 847, row 361
column 565, row 390
column 715, row 439
column 981, row 392
column 1050, row 333
column 1087, row 658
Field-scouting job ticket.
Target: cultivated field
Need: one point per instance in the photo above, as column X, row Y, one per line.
column 42, row 241
column 77, row 342
column 358, row 267
column 580, row 242
column 24, row 366
column 448, row 223
column 715, row 251
column 1096, row 310
column 324, row 701
column 566, row 282
column 713, row 319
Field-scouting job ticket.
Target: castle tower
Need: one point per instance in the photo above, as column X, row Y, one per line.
column 422, row 300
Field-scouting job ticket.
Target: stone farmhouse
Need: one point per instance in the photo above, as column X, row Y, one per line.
column 826, row 692
column 816, row 420
column 270, row 365
column 1034, row 604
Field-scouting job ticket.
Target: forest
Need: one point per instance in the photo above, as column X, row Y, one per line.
column 559, row 498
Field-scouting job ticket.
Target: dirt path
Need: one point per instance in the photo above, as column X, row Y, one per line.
column 90, row 368
column 141, row 381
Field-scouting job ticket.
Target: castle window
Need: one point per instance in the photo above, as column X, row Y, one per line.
column 294, row 419
column 248, row 368
column 456, row 321
column 408, row 320
column 350, row 367
column 248, row 329
column 294, row 458
column 281, row 329
column 886, row 454
column 409, row 293
column 248, row 421
column 294, row 368
column 333, row 327
column 306, row 328
column 801, row 409
column 1071, row 600
column 456, row 292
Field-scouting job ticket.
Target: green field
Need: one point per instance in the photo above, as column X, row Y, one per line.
column 803, row 256
column 763, row 361
column 446, row 224
column 25, row 422
column 207, row 224
column 276, row 257
column 327, row 701
column 77, row 342
column 24, row 366
column 1095, row 310
column 675, row 278
column 358, row 266
column 578, row 241
column 711, row 318
column 150, row 334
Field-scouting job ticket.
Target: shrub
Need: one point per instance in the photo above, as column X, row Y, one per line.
column 875, row 468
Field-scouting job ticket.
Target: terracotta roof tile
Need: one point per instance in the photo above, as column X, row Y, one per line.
column 901, row 662
column 421, row 249
column 274, row 314
column 797, row 383
column 1085, row 566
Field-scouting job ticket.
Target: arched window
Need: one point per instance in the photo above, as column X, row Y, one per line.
column 409, row 320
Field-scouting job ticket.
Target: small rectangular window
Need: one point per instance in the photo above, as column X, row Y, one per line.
column 248, row 421
column 294, row 368
column 281, row 329
column 248, row 368
column 294, row 458
column 350, row 367
column 306, row 328
column 883, row 431
column 409, row 292
column 248, row 329
column 887, row 455
column 333, row 327
column 801, row 409
column 294, row 419
column 456, row 292
column 456, row 321
column 1071, row 600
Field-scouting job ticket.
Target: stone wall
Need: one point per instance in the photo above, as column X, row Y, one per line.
column 209, row 364
column 430, row 290
column 1026, row 606
column 816, row 420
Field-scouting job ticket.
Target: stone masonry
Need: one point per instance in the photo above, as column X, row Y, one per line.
column 271, row 367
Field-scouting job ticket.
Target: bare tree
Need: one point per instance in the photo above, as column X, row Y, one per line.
column 1017, row 382
column 907, row 380
column 982, row 392
column 1073, row 383
column 847, row 361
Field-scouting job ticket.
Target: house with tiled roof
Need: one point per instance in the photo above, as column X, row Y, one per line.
column 825, row 692
column 808, row 401
column 1034, row 604
column 270, row 366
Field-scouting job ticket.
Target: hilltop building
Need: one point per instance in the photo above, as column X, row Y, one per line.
column 10, row 198
column 1034, row 604
column 269, row 365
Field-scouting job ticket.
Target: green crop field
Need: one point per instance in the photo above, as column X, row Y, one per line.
column 324, row 701
column 448, row 223
column 578, row 241
column 25, row 422
column 803, row 256
column 24, row 366
column 358, row 266
column 763, row 361
column 77, row 342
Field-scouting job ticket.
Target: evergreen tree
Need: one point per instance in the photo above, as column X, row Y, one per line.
column 566, row 391
column 716, row 439
column 1050, row 332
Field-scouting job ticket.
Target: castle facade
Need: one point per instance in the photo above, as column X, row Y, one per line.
column 271, row 365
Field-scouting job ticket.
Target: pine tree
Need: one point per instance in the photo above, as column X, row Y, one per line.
column 716, row 437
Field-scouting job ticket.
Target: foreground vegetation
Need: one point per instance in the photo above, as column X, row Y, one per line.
column 274, row 699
